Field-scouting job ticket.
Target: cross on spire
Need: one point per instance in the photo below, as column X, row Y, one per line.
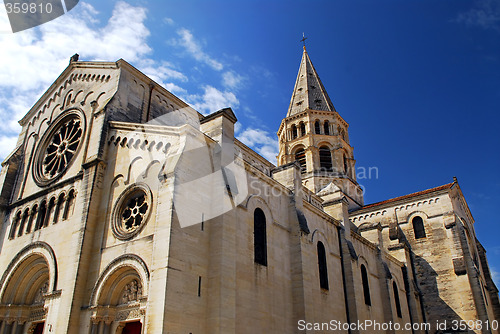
column 303, row 40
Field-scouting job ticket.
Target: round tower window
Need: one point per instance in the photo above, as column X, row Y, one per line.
column 131, row 211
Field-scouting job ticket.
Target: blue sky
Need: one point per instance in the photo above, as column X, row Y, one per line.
column 418, row 81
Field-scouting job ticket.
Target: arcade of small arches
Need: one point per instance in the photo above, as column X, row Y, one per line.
column 40, row 215
column 320, row 128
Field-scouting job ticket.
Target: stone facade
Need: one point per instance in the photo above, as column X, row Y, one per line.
column 106, row 227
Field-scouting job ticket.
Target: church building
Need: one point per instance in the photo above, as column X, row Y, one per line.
column 124, row 210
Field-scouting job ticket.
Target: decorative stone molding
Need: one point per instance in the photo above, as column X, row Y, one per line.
column 130, row 314
column 40, row 248
column 38, row 313
column 132, row 292
column 131, row 261
column 132, row 142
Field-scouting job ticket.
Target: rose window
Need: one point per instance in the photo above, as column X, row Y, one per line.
column 61, row 148
column 58, row 147
column 133, row 214
column 131, row 211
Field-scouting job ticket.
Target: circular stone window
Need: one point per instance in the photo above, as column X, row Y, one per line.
column 131, row 211
column 58, row 147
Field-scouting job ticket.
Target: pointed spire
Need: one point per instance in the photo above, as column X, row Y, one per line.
column 308, row 92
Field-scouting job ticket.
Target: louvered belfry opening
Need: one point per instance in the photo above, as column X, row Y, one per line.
column 325, row 159
column 300, row 157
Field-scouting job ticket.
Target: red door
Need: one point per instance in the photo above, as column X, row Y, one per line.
column 39, row 328
column 132, row 328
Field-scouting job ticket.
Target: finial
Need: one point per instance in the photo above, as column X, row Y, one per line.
column 303, row 40
column 74, row 58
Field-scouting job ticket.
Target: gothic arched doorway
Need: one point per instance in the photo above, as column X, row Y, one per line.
column 24, row 288
column 120, row 296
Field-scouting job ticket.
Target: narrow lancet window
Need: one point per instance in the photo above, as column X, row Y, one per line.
column 418, row 227
column 23, row 222
column 396, row 299
column 15, row 222
column 366, row 286
column 41, row 216
column 327, row 127
column 346, row 165
column 317, row 128
column 323, row 270
column 259, row 237
column 302, row 129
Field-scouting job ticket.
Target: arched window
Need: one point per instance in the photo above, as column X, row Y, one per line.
column 59, row 205
column 418, row 227
column 366, row 286
column 300, row 157
column 327, row 127
column 23, row 222
column 41, row 215
column 317, row 128
column 34, row 211
column 323, row 270
column 70, row 202
column 302, row 129
column 396, row 299
column 346, row 165
column 294, row 131
column 15, row 223
column 259, row 237
column 325, row 159
column 50, row 211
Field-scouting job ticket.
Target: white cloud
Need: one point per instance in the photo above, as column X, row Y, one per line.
column 194, row 48
column 261, row 141
column 495, row 276
column 232, row 80
column 168, row 21
column 486, row 15
column 162, row 72
column 237, row 127
column 213, row 100
column 7, row 143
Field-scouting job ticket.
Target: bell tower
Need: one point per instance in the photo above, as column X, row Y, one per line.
column 316, row 136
